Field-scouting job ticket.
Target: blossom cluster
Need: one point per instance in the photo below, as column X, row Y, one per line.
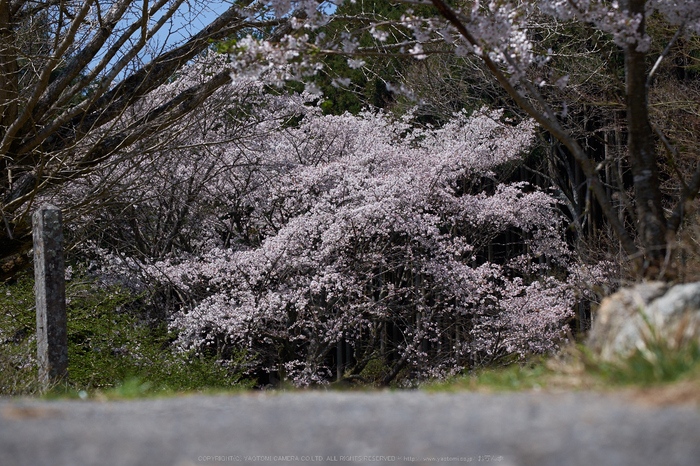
column 263, row 224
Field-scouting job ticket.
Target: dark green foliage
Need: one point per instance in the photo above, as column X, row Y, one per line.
column 367, row 88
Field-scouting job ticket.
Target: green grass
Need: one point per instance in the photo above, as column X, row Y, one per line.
column 659, row 365
column 659, row 362
column 532, row 375
column 660, row 359
column 514, row 377
column 111, row 351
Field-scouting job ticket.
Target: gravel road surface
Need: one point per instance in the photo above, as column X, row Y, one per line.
column 345, row 428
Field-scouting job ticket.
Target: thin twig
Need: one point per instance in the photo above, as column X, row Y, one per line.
column 665, row 52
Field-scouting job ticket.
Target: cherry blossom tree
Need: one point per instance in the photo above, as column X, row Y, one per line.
column 626, row 22
column 318, row 243
column 73, row 71
column 322, row 244
column 367, row 237
column 503, row 35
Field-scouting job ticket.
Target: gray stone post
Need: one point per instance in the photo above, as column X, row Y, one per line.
column 50, row 288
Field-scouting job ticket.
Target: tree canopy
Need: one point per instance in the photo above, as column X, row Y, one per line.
column 77, row 85
column 498, row 164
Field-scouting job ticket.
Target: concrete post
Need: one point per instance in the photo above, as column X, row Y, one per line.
column 50, row 289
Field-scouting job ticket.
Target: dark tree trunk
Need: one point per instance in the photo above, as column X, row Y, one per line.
column 642, row 153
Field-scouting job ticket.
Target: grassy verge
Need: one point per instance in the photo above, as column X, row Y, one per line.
column 111, row 352
column 114, row 355
column 659, row 367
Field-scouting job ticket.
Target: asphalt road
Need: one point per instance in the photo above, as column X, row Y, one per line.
column 351, row 428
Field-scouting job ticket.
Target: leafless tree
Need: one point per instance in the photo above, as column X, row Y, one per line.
column 76, row 77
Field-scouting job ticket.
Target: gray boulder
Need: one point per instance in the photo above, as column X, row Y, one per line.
column 648, row 313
